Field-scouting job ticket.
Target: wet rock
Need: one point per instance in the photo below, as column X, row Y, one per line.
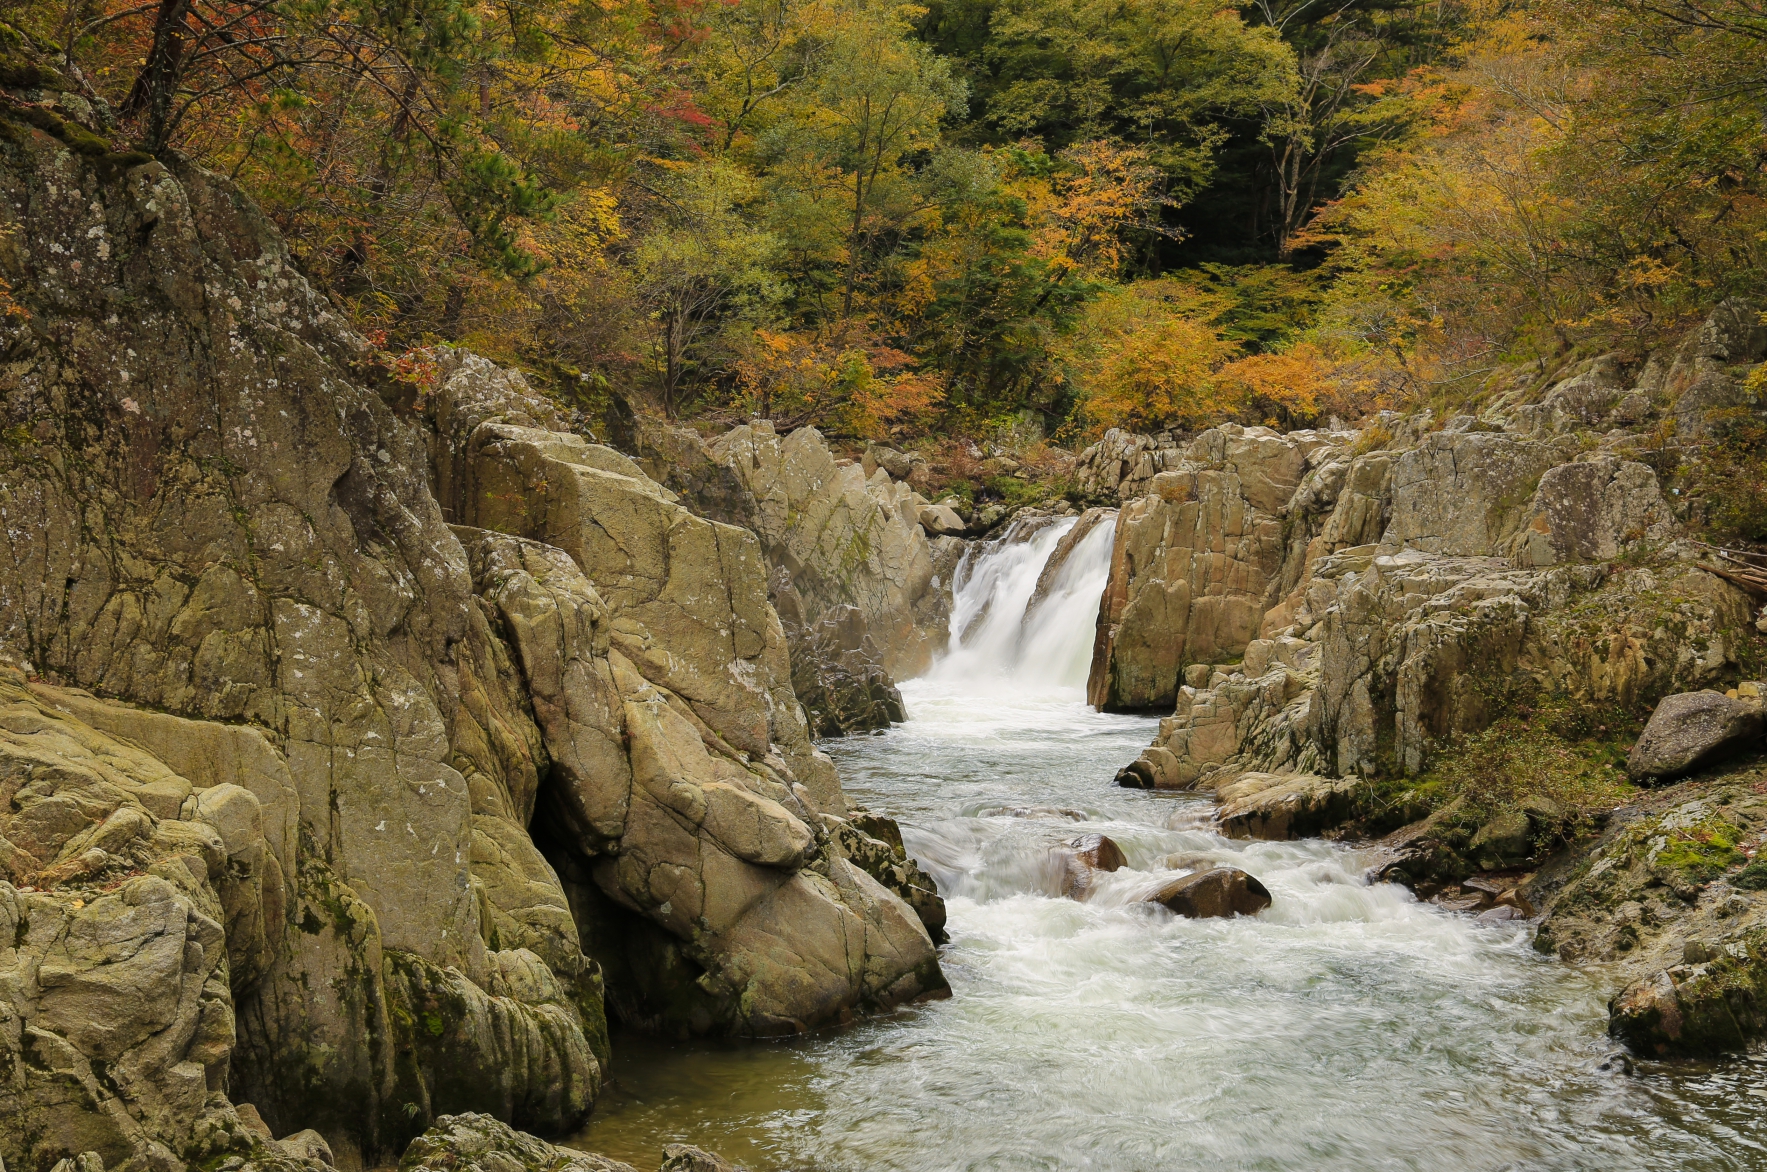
column 1220, row 891
column 1090, row 520
column 1066, row 812
column 478, row 1143
column 1697, row 1010
column 1282, row 806
column 687, row 1158
column 1690, row 730
column 1098, row 852
column 1500, row 915
column 1084, row 858
column 873, row 843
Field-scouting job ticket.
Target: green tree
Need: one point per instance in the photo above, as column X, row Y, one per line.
column 700, row 268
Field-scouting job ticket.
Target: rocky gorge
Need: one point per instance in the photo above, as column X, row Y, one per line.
column 369, row 739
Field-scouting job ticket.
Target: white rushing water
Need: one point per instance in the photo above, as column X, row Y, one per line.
column 1347, row 1027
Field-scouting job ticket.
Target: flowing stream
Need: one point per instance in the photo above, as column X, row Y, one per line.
column 1347, row 1027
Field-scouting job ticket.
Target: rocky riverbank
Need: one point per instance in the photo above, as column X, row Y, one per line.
column 1445, row 638
column 366, row 738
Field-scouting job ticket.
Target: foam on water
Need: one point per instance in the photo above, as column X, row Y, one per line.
column 1347, row 1027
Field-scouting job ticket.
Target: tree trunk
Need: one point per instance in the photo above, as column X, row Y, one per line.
column 156, row 86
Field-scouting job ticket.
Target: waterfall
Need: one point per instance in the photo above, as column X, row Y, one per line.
column 999, row 635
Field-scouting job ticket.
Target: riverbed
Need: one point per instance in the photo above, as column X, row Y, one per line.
column 1347, row 1027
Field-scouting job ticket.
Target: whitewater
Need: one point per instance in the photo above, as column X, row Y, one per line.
column 1348, row 1027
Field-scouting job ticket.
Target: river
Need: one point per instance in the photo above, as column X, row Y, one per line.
column 1347, row 1027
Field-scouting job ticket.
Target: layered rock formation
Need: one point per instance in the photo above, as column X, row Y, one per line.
column 1324, row 610
column 1390, row 601
column 845, row 539
column 1196, row 563
column 351, row 720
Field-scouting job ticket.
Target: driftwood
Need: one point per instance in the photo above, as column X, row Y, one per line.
column 1745, row 569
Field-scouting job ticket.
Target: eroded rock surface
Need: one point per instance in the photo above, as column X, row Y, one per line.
column 322, row 677
column 845, row 537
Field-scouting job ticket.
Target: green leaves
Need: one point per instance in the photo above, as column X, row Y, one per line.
column 487, row 193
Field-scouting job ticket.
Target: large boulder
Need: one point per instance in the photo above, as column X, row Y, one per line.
column 1692, row 729
column 1086, row 857
column 474, row 1142
column 1281, row 806
column 1215, row 893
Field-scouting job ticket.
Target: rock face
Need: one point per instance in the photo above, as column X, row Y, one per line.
column 836, row 668
column 350, row 712
column 1195, row 564
column 1215, row 893
column 845, row 538
column 1692, row 729
column 1122, row 465
column 1371, row 654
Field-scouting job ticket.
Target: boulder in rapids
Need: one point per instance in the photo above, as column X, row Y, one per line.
column 1215, row 893
column 1692, row 729
column 1082, row 860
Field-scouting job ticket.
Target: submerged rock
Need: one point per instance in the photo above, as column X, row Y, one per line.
column 1693, row 729
column 1219, row 891
column 478, row 1143
column 687, row 1158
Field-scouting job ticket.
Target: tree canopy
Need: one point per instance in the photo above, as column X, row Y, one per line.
column 891, row 219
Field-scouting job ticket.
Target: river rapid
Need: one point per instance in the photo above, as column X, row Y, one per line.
column 1347, row 1027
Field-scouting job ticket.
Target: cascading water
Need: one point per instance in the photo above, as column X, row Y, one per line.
column 1347, row 1027
column 999, row 637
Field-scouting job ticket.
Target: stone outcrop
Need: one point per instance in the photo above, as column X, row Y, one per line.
column 1121, row 465
column 1692, row 729
column 836, row 667
column 846, row 539
column 1427, row 579
column 472, row 1142
column 1196, row 564
column 1283, row 805
column 350, row 711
